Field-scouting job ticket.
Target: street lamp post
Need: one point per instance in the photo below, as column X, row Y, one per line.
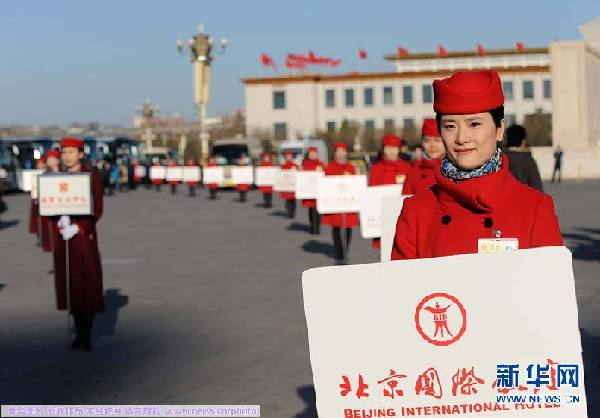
column 201, row 48
column 147, row 111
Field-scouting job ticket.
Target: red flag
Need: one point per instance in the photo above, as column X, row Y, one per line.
column 480, row 50
column 295, row 61
column 362, row 54
column 402, row 52
column 267, row 61
column 442, row 51
column 519, row 46
column 335, row 63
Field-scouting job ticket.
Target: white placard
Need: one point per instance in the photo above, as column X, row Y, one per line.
column 265, row 176
column 34, row 184
column 285, row 180
column 139, row 171
column 192, row 174
column 158, row 172
column 65, row 194
column 174, row 173
column 434, row 336
column 3, row 173
column 391, row 207
column 213, row 175
column 370, row 208
column 306, row 184
column 340, row 194
column 24, row 178
column 242, row 174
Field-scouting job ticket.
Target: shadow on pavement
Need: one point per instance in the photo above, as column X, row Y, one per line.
column 106, row 322
column 591, row 363
column 317, row 247
column 296, row 226
column 584, row 245
column 2, row 286
column 307, row 394
column 281, row 213
column 8, row 224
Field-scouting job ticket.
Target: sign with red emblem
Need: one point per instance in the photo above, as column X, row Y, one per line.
column 483, row 335
column 65, row 194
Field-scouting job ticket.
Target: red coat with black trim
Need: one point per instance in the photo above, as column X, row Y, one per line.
column 311, row 165
column 265, row 189
column 339, row 220
column 450, row 217
column 387, row 172
column 420, row 176
column 87, row 296
column 288, row 165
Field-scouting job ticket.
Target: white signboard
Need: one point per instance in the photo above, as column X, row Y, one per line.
column 140, row 171
column 174, row 173
column 265, row 176
column 34, row 184
column 447, row 336
column 285, row 181
column 213, row 175
column 306, row 184
column 340, row 194
column 24, row 178
column 65, row 194
column 242, row 174
column 192, row 174
column 158, row 172
column 391, row 207
column 370, row 208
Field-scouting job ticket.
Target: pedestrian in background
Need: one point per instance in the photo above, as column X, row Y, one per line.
column 558, row 156
column 520, row 162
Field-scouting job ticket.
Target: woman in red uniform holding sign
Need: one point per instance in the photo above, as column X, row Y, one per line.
column 420, row 176
column 243, row 188
column 52, row 166
column 289, row 197
column 191, row 184
column 212, row 187
column 85, row 270
column 341, row 223
column 312, row 163
column 157, row 182
column 267, row 191
column 173, row 183
column 389, row 170
column 474, row 196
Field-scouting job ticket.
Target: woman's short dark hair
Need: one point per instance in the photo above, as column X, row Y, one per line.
column 497, row 116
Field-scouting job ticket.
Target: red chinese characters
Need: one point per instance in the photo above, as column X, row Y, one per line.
column 465, row 383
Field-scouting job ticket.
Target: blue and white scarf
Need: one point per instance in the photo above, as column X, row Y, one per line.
column 452, row 172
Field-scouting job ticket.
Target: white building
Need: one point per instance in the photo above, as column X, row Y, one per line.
column 562, row 80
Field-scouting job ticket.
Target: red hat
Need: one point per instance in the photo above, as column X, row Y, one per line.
column 430, row 128
column 468, row 92
column 52, row 153
column 390, row 140
column 312, row 149
column 340, row 145
column 69, row 142
column 42, row 159
column 288, row 153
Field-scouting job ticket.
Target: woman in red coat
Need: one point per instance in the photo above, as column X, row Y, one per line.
column 420, row 176
column 34, row 217
column 267, row 191
column 341, row 223
column 173, row 183
column 289, row 197
column 312, row 163
column 212, row 187
column 475, row 196
column 157, row 182
column 191, row 184
column 243, row 188
column 52, row 166
column 389, row 170
column 79, row 233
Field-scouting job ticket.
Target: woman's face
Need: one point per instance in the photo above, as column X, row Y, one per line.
column 71, row 156
column 340, row 155
column 434, row 147
column 52, row 163
column 470, row 140
column 391, row 153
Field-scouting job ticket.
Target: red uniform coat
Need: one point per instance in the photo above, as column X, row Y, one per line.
column 212, row 185
column 136, row 178
column 266, row 189
column 450, row 217
column 311, row 165
column 420, row 176
column 33, row 217
column 288, row 165
column 385, row 172
column 339, row 220
column 84, row 260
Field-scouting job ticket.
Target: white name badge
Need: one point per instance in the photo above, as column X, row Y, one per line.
column 497, row 245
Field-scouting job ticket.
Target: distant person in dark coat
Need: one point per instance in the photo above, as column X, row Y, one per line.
column 558, row 156
column 520, row 162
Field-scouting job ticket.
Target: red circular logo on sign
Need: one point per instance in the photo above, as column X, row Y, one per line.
column 441, row 319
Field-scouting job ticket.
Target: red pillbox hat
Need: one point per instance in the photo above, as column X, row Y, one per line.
column 430, row 128
column 468, row 92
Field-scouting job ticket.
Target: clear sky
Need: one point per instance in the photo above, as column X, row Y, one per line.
column 65, row 61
